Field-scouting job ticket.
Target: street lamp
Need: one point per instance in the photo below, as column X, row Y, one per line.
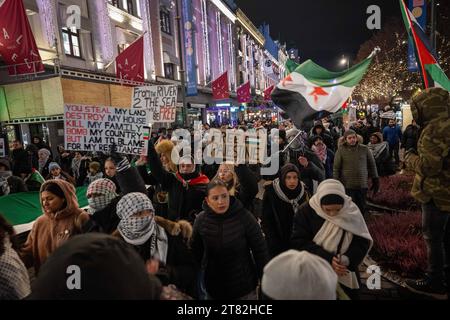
column 345, row 61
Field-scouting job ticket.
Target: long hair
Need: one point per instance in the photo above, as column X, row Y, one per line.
column 232, row 187
column 6, row 229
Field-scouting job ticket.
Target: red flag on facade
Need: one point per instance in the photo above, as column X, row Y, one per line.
column 267, row 93
column 17, row 45
column 130, row 63
column 220, row 87
column 243, row 93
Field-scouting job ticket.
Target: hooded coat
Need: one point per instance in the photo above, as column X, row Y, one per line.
column 233, row 248
column 431, row 110
column 51, row 230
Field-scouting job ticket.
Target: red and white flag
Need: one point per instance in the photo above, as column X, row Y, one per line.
column 130, row 63
column 17, row 45
column 220, row 88
column 243, row 93
column 267, row 92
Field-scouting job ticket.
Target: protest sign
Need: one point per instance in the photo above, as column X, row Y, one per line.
column 159, row 101
column 96, row 128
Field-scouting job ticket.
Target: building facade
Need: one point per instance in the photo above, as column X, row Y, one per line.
column 80, row 68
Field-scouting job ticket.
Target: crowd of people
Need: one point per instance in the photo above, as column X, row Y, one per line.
column 159, row 230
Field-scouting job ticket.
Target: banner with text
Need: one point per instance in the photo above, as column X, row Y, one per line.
column 160, row 102
column 96, row 128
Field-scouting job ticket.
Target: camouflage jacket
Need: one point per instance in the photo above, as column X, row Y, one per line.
column 432, row 163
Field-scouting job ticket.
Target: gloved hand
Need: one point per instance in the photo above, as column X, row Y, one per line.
column 121, row 162
column 375, row 185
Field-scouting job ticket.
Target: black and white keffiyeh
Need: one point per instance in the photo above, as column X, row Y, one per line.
column 295, row 203
column 14, row 280
column 138, row 230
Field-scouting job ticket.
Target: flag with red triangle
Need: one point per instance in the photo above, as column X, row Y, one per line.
column 17, row 45
column 432, row 73
column 267, row 92
column 130, row 63
column 311, row 92
column 243, row 93
column 220, row 88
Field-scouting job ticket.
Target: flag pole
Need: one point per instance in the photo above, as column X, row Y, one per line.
column 112, row 61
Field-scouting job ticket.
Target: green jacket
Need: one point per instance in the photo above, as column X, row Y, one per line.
column 353, row 166
column 431, row 163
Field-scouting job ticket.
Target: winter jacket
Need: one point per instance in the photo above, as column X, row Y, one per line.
column 277, row 220
column 305, row 227
column 385, row 164
column 410, row 137
column 185, row 197
column 392, row 135
column 248, row 186
column 431, row 110
column 181, row 267
column 353, row 165
column 21, row 163
column 51, row 230
column 233, row 248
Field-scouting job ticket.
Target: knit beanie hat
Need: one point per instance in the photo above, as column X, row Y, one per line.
column 299, row 275
column 53, row 165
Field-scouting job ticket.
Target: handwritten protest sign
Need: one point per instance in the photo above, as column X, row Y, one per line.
column 159, row 101
column 96, row 128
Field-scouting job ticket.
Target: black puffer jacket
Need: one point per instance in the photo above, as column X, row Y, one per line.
column 234, row 249
column 21, row 163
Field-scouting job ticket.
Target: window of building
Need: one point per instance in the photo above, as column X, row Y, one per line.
column 165, row 22
column 169, row 70
column 130, row 7
column 71, row 40
column 116, row 3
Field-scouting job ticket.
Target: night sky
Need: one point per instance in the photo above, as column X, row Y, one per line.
column 322, row 30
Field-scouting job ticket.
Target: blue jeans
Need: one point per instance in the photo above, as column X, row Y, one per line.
column 436, row 232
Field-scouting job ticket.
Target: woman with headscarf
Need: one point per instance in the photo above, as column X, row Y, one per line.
column 380, row 151
column 331, row 226
column 161, row 243
column 62, row 218
column 240, row 181
column 229, row 244
column 325, row 155
column 282, row 199
column 44, row 161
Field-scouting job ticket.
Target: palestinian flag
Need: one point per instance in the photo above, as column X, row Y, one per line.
column 146, row 136
column 311, row 92
column 433, row 75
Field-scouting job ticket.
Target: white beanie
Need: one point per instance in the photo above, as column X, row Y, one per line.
column 299, row 275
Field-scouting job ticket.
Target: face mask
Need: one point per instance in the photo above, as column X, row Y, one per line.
column 100, row 202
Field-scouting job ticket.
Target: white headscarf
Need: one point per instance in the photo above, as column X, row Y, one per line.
column 42, row 162
column 137, row 230
column 349, row 220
